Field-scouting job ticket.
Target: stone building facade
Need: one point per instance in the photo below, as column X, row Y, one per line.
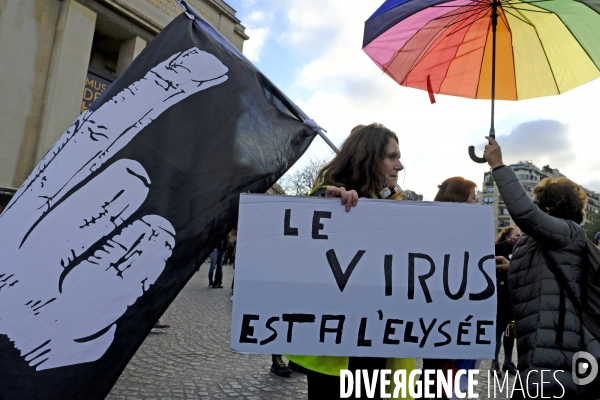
column 57, row 56
column 529, row 175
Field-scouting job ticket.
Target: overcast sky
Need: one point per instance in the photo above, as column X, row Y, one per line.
column 312, row 51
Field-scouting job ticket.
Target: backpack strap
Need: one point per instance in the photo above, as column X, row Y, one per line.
column 593, row 258
column 591, row 290
column 564, row 287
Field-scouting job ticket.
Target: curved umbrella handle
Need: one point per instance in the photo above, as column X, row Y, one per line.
column 479, row 160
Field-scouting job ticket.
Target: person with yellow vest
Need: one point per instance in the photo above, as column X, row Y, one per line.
column 366, row 166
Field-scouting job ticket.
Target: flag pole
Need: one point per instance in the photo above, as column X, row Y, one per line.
column 320, row 131
column 326, row 139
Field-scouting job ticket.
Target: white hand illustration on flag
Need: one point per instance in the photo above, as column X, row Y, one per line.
column 72, row 260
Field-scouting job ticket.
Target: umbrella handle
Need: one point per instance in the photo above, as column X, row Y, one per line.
column 479, row 160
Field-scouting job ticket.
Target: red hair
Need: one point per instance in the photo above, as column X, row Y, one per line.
column 455, row 190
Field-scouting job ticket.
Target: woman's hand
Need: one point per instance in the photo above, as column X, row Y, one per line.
column 493, row 153
column 502, row 263
column 349, row 198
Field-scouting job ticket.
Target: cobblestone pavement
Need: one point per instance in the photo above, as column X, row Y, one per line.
column 192, row 360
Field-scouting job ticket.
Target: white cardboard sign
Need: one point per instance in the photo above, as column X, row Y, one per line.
column 387, row 279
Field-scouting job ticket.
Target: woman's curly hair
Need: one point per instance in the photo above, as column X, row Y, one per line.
column 358, row 165
column 564, row 198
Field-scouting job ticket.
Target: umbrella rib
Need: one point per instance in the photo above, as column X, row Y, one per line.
column 458, row 22
column 470, row 12
column 517, row 17
column 503, row 18
column 528, row 10
column 482, row 60
column 510, row 2
column 479, row 4
column 475, row 3
column 572, row 33
column 467, row 25
column 474, row 10
column 512, row 49
column 451, row 15
column 412, row 67
column 429, row 49
column 544, row 50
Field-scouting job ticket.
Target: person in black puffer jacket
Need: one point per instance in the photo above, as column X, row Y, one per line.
column 548, row 335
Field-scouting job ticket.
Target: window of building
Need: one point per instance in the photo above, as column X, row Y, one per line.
column 488, row 200
column 105, row 47
column 489, row 190
column 527, row 177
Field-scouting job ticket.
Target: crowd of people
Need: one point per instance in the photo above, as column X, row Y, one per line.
column 541, row 269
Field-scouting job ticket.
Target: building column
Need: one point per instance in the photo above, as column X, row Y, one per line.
column 68, row 70
column 128, row 51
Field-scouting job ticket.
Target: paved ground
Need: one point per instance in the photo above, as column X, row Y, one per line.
column 193, row 360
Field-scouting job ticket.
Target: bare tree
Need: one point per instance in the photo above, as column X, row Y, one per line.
column 301, row 181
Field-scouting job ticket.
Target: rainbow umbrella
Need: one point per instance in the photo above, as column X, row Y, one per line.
column 487, row 49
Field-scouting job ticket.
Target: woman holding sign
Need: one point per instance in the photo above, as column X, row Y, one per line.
column 367, row 166
column 547, row 283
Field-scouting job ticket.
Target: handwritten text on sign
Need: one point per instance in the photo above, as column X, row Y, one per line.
column 387, row 279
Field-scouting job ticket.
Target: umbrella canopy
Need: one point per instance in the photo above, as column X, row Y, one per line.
column 543, row 47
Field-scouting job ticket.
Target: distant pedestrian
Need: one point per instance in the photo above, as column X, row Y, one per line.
column 216, row 265
column 231, row 251
column 505, row 241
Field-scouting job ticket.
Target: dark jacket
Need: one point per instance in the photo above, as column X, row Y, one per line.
column 222, row 247
column 535, row 290
column 504, row 312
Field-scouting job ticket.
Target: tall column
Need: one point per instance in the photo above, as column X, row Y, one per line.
column 128, row 51
column 226, row 28
column 26, row 36
column 67, row 73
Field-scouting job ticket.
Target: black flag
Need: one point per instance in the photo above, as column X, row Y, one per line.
column 118, row 215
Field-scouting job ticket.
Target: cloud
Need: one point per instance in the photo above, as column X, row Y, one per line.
column 320, row 64
column 592, row 185
column 257, row 23
column 256, row 17
column 253, row 48
column 543, row 141
column 310, row 26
